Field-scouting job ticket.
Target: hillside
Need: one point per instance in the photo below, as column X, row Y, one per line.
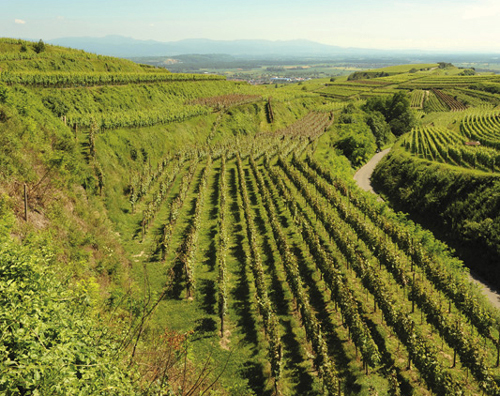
column 451, row 186
column 189, row 235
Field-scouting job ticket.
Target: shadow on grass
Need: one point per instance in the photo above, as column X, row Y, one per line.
column 250, row 190
column 387, row 360
column 204, row 328
column 211, row 255
column 208, row 290
column 178, row 270
column 276, row 293
column 318, row 302
column 214, row 197
column 176, row 280
column 241, row 293
column 293, row 354
column 252, row 371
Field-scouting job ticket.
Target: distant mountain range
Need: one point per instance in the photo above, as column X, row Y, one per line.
column 128, row 47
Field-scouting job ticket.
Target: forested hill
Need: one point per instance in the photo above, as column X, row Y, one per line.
column 181, row 234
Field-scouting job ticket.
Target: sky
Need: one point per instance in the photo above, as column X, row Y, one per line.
column 459, row 25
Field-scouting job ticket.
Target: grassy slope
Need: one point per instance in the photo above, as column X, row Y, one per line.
column 92, row 235
column 95, row 237
column 464, row 204
column 55, row 58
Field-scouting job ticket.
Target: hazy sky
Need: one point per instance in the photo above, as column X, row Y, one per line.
column 423, row 24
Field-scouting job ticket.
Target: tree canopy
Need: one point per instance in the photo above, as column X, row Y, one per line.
column 396, row 111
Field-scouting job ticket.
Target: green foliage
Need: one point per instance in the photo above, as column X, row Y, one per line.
column 467, row 203
column 50, row 343
column 356, row 142
column 467, row 72
column 3, row 93
column 56, row 105
column 444, row 65
column 380, row 129
column 395, row 109
column 491, row 88
column 6, row 216
column 366, row 75
column 39, row 47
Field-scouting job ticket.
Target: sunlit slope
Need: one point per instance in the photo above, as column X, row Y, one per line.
column 21, row 55
column 210, row 236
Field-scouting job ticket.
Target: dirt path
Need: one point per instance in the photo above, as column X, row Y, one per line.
column 362, row 177
column 491, row 294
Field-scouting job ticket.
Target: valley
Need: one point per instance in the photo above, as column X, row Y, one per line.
column 187, row 235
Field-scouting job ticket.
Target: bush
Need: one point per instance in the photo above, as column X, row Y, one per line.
column 356, row 142
column 396, row 110
column 39, row 47
column 50, row 343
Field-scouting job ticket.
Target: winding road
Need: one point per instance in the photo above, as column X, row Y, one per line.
column 362, row 178
column 364, row 174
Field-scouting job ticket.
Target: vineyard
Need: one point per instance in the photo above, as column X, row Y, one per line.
column 441, row 82
column 474, row 146
column 209, row 237
column 444, row 145
column 61, row 80
column 433, row 103
column 484, row 127
column 355, row 89
column 225, row 101
column 328, row 289
column 452, row 103
column 418, row 98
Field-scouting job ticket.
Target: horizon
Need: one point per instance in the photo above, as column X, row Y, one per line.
column 408, row 51
column 444, row 25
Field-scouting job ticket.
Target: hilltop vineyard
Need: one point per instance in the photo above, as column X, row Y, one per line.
column 61, row 80
column 331, row 282
column 192, row 234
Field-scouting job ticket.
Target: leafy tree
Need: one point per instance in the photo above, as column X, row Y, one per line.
column 395, row 109
column 468, row 72
column 51, row 344
column 400, row 116
column 444, row 65
column 39, row 47
column 376, row 104
column 380, row 129
column 356, row 142
column 349, row 109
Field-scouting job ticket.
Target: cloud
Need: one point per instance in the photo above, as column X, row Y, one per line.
column 19, row 21
column 60, row 18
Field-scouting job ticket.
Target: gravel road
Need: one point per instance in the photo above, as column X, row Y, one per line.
column 362, row 177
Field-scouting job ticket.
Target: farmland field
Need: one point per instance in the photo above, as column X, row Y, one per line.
column 193, row 235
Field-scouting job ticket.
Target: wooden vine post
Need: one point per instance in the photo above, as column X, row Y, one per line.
column 413, row 295
column 25, row 203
